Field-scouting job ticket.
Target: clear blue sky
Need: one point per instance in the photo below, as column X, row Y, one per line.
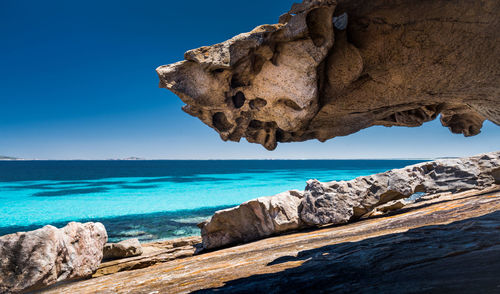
column 77, row 80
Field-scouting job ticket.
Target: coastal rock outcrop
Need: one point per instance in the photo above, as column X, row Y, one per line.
column 389, row 63
column 125, row 248
column 39, row 258
column 339, row 202
column 252, row 220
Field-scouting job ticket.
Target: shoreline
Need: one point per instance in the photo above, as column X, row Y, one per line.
column 259, row 264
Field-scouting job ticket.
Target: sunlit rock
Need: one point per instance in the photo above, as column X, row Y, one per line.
column 396, row 63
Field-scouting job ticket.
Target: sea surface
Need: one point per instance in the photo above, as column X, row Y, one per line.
column 153, row 199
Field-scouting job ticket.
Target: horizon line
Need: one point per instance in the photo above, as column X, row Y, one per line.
column 229, row 159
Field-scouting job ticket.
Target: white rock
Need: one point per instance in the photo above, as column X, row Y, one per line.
column 39, row 258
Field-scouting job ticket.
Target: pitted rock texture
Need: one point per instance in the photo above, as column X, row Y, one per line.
column 39, row 258
column 398, row 63
column 252, row 220
column 339, row 202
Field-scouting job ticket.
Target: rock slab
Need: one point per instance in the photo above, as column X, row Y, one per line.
column 39, row 258
column 125, row 248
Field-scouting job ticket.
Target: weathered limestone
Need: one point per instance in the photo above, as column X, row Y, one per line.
column 252, row 220
column 342, row 201
column 125, row 248
column 35, row 259
column 398, row 63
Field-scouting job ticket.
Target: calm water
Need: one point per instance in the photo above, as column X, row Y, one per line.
column 153, row 200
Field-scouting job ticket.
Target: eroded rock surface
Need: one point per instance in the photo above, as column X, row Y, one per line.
column 398, row 63
column 125, row 248
column 252, row 220
column 35, row 259
column 339, row 202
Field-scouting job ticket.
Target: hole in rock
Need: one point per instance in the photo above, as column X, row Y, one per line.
column 257, row 103
column 220, row 122
column 218, row 70
column 280, row 135
column 289, row 103
column 255, row 124
column 238, row 99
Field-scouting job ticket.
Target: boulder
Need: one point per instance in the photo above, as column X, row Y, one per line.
column 252, row 220
column 386, row 62
column 125, row 248
column 39, row 258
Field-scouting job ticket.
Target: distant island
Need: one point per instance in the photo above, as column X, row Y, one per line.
column 128, row 158
column 8, row 158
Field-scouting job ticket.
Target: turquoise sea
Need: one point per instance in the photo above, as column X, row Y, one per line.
column 153, row 199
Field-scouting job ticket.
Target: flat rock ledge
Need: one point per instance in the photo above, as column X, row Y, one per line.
column 340, row 202
column 153, row 253
column 39, row 258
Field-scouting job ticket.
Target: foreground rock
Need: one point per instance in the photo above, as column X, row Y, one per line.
column 398, row 63
column 447, row 245
column 344, row 201
column 125, row 248
column 35, row 259
column 153, row 253
column 252, row 220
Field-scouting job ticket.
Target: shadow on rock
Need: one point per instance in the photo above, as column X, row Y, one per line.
column 462, row 257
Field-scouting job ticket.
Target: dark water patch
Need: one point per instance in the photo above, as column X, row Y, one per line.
column 56, row 186
column 183, row 180
column 106, row 183
column 77, row 170
column 138, row 187
column 30, row 187
column 70, row 192
column 145, row 227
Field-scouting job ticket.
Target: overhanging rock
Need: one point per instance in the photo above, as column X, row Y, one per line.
column 397, row 63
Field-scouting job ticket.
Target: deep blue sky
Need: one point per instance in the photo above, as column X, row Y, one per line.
column 77, row 80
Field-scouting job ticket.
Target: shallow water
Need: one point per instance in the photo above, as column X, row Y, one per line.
column 153, row 200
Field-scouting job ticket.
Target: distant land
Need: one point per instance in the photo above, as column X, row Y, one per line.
column 8, row 158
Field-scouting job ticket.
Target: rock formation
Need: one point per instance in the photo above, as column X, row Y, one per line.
column 125, row 248
column 252, row 220
column 35, row 259
column 339, row 202
column 397, row 63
